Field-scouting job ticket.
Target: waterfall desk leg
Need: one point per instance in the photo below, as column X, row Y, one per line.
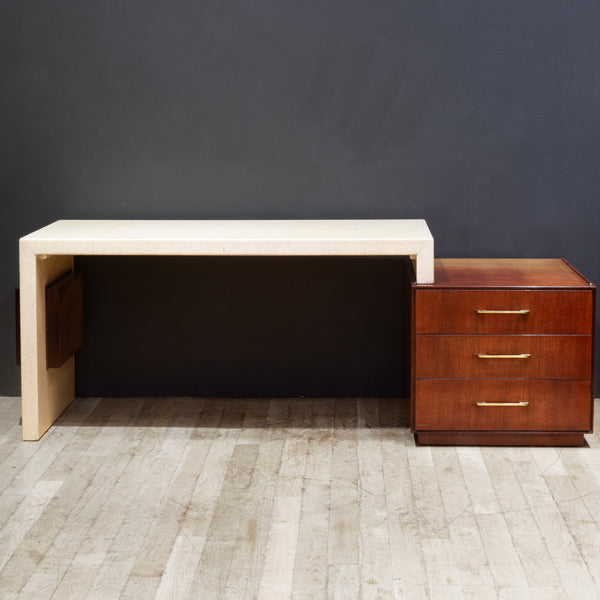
column 45, row 392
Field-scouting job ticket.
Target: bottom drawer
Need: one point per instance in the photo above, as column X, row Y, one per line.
column 546, row 405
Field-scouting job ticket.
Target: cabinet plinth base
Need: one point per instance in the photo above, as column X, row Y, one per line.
column 497, row 438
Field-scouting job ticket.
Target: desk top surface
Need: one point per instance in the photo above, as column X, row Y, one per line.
column 236, row 238
column 240, row 230
column 374, row 237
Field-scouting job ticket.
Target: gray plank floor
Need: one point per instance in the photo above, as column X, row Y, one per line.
column 303, row 499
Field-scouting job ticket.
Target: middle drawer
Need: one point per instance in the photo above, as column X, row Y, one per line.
column 503, row 356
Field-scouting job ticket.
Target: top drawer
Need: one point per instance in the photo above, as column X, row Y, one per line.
column 503, row 311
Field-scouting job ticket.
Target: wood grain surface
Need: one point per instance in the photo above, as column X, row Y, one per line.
column 506, row 272
column 455, row 311
column 563, row 405
column 459, row 356
column 64, row 318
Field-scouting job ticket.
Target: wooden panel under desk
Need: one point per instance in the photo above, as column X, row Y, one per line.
column 456, row 311
column 460, row 356
column 552, row 405
column 64, row 318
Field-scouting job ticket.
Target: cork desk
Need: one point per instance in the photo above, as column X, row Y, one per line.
column 46, row 254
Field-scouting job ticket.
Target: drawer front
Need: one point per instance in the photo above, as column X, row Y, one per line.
column 503, row 356
column 547, row 405
column 531, row 311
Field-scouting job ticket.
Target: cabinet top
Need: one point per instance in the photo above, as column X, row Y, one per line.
column 505, row 272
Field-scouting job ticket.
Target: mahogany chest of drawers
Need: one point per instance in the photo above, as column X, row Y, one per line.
column 502, row 353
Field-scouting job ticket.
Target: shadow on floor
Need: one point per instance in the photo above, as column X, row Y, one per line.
column 288, row 413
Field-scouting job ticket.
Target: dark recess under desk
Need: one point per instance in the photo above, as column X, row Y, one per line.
column 245, row 326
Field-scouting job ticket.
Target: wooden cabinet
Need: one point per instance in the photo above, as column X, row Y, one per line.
column 502, row 353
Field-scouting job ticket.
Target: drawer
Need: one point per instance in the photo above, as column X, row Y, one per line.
column 451, row 405
column 503, row 356
column 549, row 311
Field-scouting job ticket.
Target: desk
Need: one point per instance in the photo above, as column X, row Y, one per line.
column 46, row 254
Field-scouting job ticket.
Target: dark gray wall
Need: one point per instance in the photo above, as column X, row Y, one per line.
column 481, row 117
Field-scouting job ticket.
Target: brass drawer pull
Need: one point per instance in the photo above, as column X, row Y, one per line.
column 483, row 311
column 504, row 356
column 502, row 403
